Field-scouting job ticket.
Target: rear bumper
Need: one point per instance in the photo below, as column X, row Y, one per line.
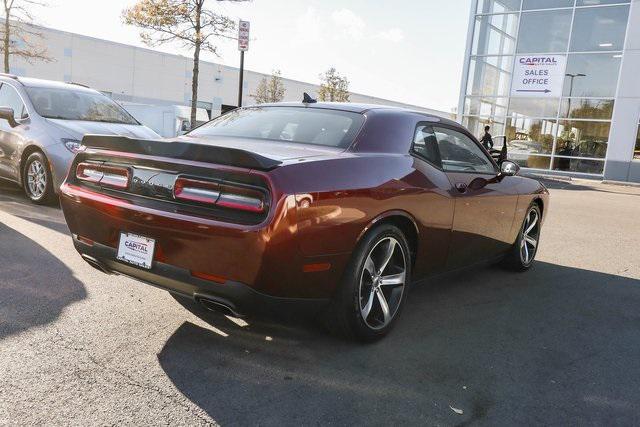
column 263, row 258
column 237, row 297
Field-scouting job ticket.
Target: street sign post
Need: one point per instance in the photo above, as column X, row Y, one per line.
column 243, row 46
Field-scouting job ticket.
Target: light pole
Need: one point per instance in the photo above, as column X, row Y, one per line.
column 572, row 76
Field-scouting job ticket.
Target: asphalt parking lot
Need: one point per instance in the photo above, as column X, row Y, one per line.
column 557, row 345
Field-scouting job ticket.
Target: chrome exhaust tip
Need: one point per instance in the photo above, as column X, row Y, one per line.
column 217, row 306
column 95, row 263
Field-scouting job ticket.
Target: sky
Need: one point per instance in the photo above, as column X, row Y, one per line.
column 409, row 51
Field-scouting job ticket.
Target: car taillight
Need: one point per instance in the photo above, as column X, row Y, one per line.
column 224, row 195
column 110, row 176
column 194, row 190
column 242, row 198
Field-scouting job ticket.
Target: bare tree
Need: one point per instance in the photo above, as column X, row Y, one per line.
column 270, row 89
column 19, row 36
column 189, row 22
column 334, row 87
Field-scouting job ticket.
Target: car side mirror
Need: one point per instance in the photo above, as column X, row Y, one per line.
column 7, row 114
column 509, row 168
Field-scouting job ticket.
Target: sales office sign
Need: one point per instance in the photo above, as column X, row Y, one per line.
column 538, row 76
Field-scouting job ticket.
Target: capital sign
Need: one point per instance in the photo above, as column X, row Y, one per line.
column 538, row 76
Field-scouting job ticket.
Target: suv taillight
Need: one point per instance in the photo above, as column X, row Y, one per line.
column 107, row 175
column 224, row 195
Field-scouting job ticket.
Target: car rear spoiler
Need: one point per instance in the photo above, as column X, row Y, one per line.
column 180, row 149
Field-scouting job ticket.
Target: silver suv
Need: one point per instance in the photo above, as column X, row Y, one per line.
column 41, row 125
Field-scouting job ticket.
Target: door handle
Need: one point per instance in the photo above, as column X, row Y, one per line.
column 461, row 187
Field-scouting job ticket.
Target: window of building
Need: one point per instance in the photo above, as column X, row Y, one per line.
column 485, row 106
column 527, row 136
column 592, row 75
column 498, row 6
column 9, row 98
column 599, row 28
column 495, row 34
column 582, row 139
column 636, row 152
column 543, row 32
column 545, row 4
column 489, row 75
column 532, row 161
column 568, row 164
column 534, row 107
column 476, row 125
column 581, row 108
column 425, row 145
column 599, row 2
column 460, row 154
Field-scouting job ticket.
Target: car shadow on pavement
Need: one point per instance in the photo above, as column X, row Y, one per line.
column 550, row 346
column 29, row 296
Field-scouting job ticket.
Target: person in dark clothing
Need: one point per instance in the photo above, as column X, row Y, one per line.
column 486, row 140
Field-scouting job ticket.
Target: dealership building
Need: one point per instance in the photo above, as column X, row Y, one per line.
column 131, row 74
column 559, row 79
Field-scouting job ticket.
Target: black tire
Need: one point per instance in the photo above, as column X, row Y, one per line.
column 40, row 193
column 345, row 316
column 516, row 259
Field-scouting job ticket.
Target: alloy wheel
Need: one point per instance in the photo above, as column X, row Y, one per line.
column 36, row 179
column 382, row 283
column 530, row 236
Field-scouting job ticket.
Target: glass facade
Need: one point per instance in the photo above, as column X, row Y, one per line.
column 567, row 130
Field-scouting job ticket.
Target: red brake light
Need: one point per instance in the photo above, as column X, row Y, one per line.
column 225, row 195
column 194, row 190
column 242, row 198
column 110, row 176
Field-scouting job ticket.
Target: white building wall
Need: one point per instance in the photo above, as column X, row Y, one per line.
column 141, row 75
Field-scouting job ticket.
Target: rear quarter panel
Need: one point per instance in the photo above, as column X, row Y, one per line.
column 339, row 199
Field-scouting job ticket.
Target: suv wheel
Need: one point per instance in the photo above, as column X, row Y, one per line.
column 38, row 182
column 374, row 287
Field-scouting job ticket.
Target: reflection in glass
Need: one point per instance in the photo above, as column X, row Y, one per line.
column 486, row 107
column 545, row 4
column 542, row 32
column 636, row 152
column 489, row 75
column 582, row 139
column 498, row 6
column 495, row 34
column 599, row 2
column 580, row 108
column 533, row 107
column 595, row 74
column 578, row 165
column 599, row 28
column 535, row 162
column 476, row 125
column 527, row 136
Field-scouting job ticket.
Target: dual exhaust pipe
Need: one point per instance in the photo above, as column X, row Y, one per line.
column 207, row 302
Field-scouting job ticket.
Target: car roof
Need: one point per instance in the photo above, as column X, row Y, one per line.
column 33, row 82
column 356, row 108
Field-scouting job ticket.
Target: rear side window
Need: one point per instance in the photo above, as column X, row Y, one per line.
column 10, row 98
column 460, row 154
column 291, row 124
column 425, row 145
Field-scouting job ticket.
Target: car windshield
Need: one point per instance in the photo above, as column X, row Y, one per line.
column 68, row 104
column 291, row 124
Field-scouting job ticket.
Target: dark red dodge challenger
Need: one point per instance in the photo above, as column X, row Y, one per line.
column 338, row 207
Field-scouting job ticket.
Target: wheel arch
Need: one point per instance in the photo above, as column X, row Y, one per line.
column 401, row 219
column 28, row 150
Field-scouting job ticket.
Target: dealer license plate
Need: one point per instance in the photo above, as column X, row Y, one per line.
column 136, row 250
